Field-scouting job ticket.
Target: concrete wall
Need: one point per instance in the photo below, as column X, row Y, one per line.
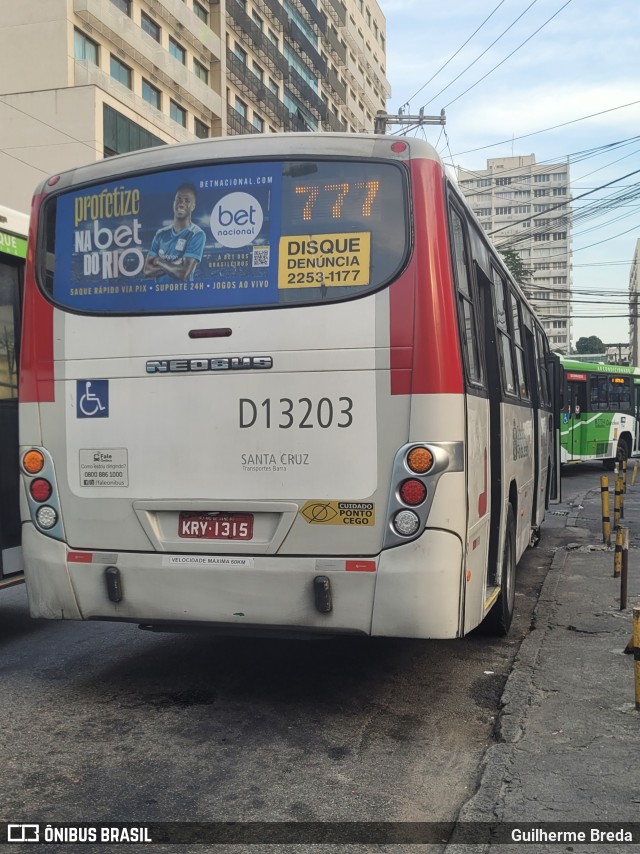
column 31, row 36
column 42, row 133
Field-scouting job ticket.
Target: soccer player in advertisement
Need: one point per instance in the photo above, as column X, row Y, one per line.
column 177, row 249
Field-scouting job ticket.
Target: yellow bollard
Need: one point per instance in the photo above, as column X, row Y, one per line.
column 606, row 519
column 624, row 569
column 616, row 504
column 617, row 555
column 624, row 477
column 636, row 653
column 621, row 489
column 634, row 473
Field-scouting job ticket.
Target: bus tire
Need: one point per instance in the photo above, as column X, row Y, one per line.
column 498, row 620
column 622, row 454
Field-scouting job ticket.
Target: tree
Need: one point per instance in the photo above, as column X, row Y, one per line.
column 592, row 344
column 515, row 266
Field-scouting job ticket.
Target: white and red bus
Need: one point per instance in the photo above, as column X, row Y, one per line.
column 279, row 382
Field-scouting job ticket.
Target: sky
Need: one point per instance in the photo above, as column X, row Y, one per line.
column 582, row 61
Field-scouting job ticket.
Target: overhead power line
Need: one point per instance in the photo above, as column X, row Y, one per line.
column 513, row 23
column 546, row 130
column 484, row 76
column 453, row 56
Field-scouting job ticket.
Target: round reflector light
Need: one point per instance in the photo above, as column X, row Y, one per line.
column 399, row 147
column 420, row 460
column 46, row 517
column 40, row 489
column 33, row 462
column 413, row 492
column 406, row 523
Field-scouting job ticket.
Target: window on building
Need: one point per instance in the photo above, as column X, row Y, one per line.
column 121, row 72
column 178, row 114
column 541, row 179
column 274, row 87
column 240, row 53
column 176, row 50
column 258, row 123
column 502, row 182
column 257, row 20
column 483, row 182
column 502, row 211
column 85, row 48
column 559, row 235
column 201, row 129
column 482, row 211
column 151, row 94
column 273, row 37
column 559, row 191
column 200, row 71
column 123, row 5
column 121, row 135
column 258, row 71
column 539, row 193
column 200, row 12
column 150, row 27
column 241, row 107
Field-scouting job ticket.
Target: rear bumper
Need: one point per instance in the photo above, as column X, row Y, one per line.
column 410, row 591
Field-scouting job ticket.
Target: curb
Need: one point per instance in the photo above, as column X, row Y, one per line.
column 486, row 804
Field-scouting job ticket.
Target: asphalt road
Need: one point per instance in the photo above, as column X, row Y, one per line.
column 104, row 722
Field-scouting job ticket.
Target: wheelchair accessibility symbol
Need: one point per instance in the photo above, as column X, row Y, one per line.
column 92, row 398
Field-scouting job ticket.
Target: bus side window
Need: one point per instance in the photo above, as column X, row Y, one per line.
column 467, row 306
column 599, row 399
column 505, row 348
column 521, row 374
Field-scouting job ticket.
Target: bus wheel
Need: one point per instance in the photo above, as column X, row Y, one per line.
column 498, row 620
column 622, row 453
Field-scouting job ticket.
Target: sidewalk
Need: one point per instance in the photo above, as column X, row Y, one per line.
column 569, row 733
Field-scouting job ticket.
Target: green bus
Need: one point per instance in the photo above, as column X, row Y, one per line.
column 599, row 411
column 13, row 252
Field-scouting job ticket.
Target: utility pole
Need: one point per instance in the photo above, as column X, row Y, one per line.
column 383, row 119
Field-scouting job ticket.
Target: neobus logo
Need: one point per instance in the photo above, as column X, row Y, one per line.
column 226, row 363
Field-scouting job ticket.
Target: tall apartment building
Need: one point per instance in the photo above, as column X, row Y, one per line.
column 109, row 76
column 526, row 206
column 634, row 306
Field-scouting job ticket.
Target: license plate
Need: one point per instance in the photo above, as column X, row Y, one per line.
column 216, row 526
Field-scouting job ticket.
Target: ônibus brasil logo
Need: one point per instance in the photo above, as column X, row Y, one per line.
column 236, row 220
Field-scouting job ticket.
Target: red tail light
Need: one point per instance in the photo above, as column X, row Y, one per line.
column 40, row 489
column 413, row 492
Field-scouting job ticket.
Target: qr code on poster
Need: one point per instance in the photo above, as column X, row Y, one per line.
column 260, row 256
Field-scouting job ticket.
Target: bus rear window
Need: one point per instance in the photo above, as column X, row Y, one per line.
column 228, row 236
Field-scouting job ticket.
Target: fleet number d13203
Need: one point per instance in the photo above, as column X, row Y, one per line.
column 304, row 413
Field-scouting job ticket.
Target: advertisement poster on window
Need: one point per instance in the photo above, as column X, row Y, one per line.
column 182, row 240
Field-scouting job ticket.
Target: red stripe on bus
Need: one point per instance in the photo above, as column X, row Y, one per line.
column 36, row 354
column 423, row 319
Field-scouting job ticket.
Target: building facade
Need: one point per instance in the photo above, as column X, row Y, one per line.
column 524, row 206
column 634, row 306
column 115, row 75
